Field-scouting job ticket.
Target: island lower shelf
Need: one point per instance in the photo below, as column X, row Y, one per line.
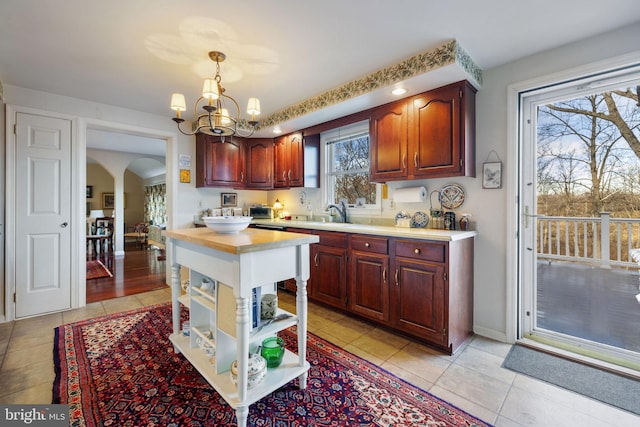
column 275, row 378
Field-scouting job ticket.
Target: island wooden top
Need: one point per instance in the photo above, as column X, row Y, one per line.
column 247, row 240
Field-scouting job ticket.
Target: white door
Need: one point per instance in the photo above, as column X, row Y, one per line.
column 570, row 296
column 42, row 212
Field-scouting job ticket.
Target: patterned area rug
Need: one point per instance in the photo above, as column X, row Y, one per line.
column 96, row 270
column 121, row 370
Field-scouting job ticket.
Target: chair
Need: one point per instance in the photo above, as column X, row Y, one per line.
column 104, row 227
column 140, row 233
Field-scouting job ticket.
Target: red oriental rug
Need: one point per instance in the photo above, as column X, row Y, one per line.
column 121, row 370
column 96, row 270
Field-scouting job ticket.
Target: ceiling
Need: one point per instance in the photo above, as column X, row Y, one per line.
column 134, row 54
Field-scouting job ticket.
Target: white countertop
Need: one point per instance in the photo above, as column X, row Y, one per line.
column 412, row 233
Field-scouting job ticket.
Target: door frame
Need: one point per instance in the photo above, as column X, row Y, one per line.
column 514, row 185
column 79, row 126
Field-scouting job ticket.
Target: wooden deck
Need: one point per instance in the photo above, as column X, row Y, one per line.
column 590, row 302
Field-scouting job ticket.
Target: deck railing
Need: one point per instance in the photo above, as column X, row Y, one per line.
column 581, row 239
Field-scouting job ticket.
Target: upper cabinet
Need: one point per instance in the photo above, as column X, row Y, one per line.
column 289, row 161
column 389, row 142
column 260, row 163
column 219, row 162
column 426, row 136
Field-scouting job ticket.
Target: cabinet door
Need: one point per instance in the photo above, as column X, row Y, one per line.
column 435, row 139
column 260, row 163
column 329, row 275
column 219, row 163
column 369, row 286
column 389, row 138
column 281, row 162
column 418, row 299
column 296, row 160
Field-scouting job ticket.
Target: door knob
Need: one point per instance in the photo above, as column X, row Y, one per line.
column 64, row 224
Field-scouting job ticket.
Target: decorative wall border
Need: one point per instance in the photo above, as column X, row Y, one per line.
column 447, row 54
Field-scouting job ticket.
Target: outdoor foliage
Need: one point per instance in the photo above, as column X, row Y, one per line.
column 588, row 163
column 351, row 170
column 589, row 153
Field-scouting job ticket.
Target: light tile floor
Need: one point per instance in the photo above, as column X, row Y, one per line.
column 472, row 379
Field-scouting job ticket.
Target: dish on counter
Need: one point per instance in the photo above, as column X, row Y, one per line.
column 402, row 215
column 419, row 220
column 227, row 224
column 451, row 196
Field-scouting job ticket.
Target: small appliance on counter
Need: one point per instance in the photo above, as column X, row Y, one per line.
column 261, row 212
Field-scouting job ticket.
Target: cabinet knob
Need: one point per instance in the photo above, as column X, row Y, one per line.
column 366, row 245
column 416, row 251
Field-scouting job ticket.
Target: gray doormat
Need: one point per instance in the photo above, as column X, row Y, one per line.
column 608, row 387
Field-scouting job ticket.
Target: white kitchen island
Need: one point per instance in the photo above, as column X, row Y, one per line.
column 239, row 263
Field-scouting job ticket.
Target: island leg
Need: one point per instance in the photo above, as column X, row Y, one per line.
column 301, row 312
column 242, row 413
column 175, row 304
column 242, row 351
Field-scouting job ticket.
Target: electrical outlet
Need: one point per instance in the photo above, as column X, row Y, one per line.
column 391, row 203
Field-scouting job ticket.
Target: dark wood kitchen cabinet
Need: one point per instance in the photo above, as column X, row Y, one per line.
column 369, row 277
column 259, row 153
column 431, row 297
column 219, row 162
column 289, row 161
column 389, row 142
column 425, row 136
column 328, row 282
column 420, row 288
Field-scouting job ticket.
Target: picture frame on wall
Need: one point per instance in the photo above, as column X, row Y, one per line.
column 109, row 201
column 89, row 192
column 228, row 199
column 492, row 175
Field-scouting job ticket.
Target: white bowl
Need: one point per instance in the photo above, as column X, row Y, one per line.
column 227, row 224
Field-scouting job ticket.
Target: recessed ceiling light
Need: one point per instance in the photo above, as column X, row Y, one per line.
column 399, row 91
column 277, row 129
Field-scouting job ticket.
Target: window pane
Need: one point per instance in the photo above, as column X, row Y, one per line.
column 351, row 154
column 354, row 186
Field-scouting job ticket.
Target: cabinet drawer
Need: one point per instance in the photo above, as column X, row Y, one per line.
column 377, row 245
column 417, row 249
column 330, row 238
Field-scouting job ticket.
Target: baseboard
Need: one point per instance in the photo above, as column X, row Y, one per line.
column 491, row 334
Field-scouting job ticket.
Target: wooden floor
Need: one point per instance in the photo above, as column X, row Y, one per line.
column 138, row 271
column 590, row 302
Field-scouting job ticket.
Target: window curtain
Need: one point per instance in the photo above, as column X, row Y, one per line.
column 155, row 209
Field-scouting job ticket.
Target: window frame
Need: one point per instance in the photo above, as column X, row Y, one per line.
column 330, row 136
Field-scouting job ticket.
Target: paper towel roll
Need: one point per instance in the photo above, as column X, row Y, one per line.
column 410, row 195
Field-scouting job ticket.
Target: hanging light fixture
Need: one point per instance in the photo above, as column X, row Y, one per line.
column 217, row 120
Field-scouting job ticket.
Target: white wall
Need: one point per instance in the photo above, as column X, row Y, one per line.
column 491, row 207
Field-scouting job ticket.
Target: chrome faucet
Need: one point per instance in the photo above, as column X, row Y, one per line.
column 342, row 210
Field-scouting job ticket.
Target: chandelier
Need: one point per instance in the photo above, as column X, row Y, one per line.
column 217, row 120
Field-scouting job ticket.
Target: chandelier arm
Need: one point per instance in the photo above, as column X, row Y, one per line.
column 186, row 133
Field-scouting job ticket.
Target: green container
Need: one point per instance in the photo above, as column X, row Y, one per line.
column 273, row 351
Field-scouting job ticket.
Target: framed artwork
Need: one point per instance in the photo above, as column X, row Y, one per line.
column 228, row 199
column 109, row 201
column 89, row 192
column 492, row 175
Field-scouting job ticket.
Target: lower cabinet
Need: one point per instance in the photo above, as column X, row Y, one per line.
column 328, row 275
column 369, row 277
column 420, row 288
column 418, row 299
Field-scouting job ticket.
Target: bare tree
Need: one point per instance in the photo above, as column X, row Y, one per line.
column 580, row 148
